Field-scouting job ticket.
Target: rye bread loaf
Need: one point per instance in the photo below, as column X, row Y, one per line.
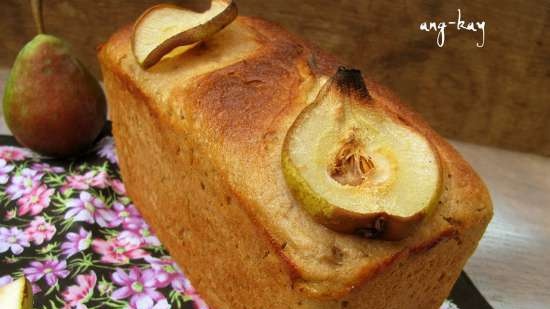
column 199, row 139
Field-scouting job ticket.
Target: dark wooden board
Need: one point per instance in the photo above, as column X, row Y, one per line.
column 497, row 95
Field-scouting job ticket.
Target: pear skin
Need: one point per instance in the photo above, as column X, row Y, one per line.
column 52, row 104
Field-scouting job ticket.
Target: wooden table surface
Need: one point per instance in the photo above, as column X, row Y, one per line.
column 511, row 266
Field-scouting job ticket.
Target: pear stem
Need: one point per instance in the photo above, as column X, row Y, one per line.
column 36, row 7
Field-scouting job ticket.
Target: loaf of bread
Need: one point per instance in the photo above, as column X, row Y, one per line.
column 199, row 138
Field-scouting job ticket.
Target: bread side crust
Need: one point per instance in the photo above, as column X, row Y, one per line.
column 226, row 126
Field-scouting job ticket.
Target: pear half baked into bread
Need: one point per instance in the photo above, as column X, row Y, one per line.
column 200, row 139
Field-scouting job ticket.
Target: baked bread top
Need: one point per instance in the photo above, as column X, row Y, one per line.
column 236, row 95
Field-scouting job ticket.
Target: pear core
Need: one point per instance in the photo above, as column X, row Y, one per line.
column 351, row 165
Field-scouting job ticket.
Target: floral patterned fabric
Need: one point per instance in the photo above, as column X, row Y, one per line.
column 69, row 227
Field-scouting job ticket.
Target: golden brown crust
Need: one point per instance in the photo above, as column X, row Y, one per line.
column 235, row 112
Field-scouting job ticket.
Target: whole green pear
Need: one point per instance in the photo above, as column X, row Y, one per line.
column 52, row 104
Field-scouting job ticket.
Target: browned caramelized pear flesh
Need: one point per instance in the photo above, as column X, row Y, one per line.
column 355, row 167
column 163, row 27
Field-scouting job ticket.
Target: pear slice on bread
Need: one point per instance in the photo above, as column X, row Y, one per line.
column 357, row 168
column 163, row 27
